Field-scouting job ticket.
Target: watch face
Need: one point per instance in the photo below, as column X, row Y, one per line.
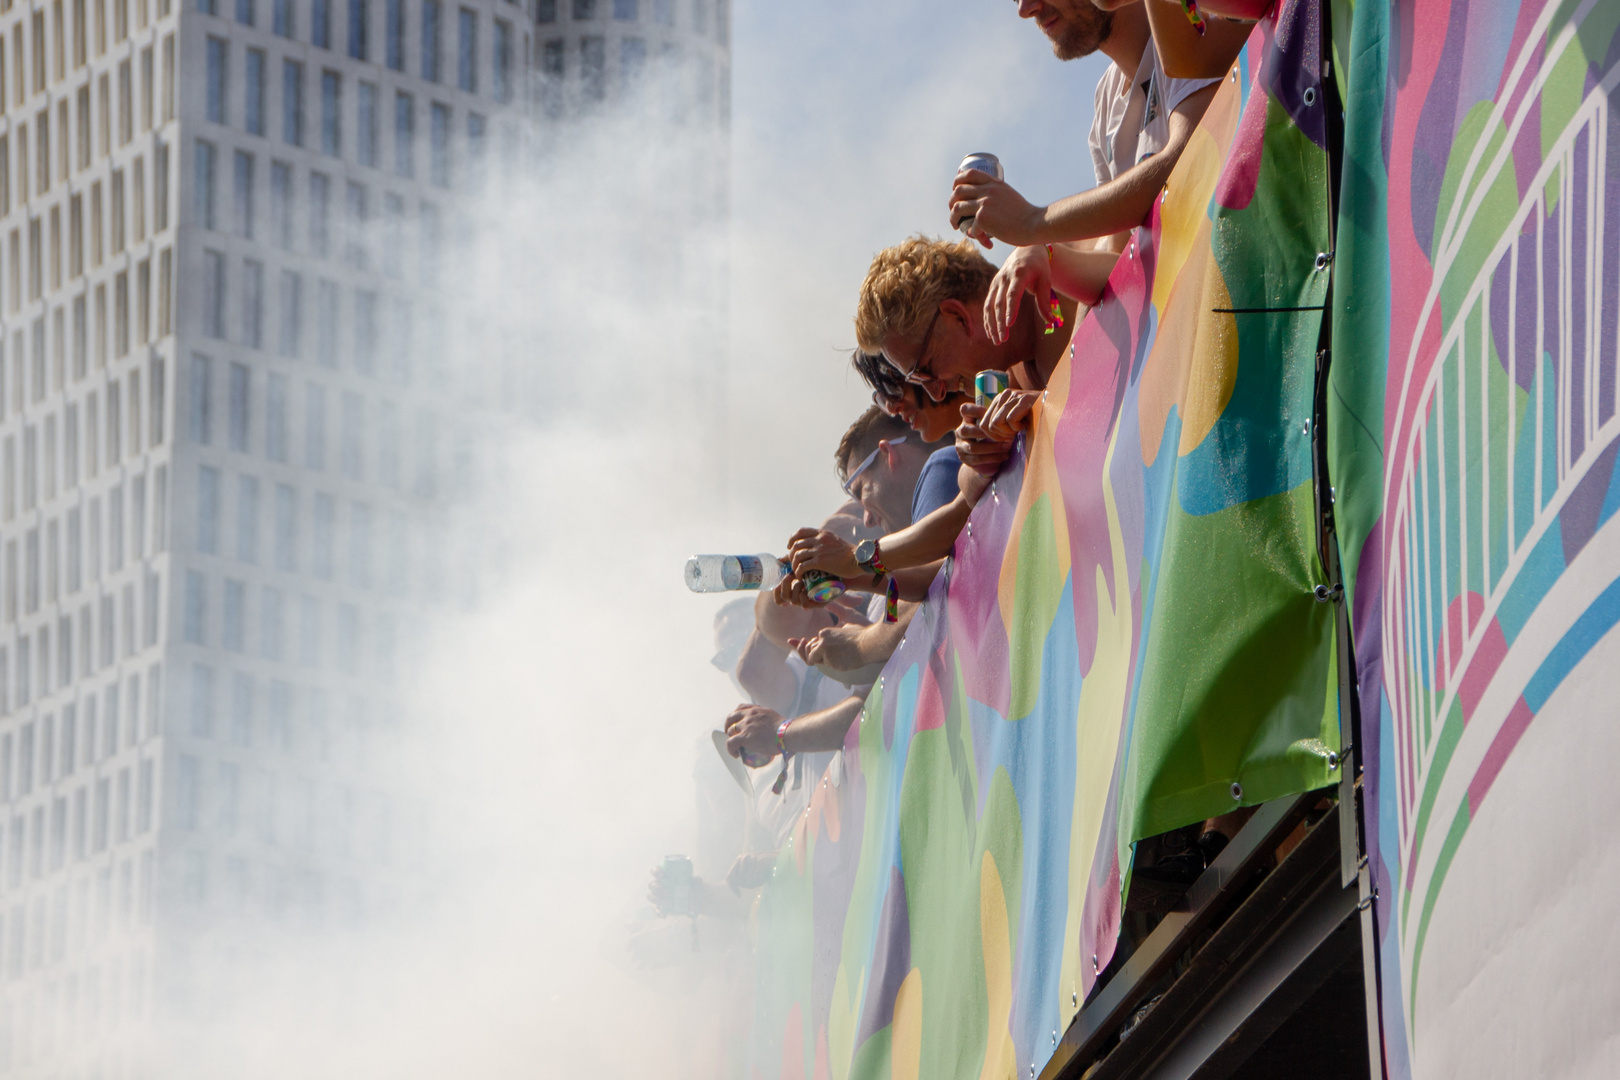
column 865, row 550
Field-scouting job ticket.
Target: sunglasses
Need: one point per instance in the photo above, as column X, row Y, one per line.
column 849, row 483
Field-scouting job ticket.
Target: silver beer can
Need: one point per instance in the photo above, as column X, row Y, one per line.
column 985, row 162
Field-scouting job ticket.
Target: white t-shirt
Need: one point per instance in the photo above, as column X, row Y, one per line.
column 1132, row 119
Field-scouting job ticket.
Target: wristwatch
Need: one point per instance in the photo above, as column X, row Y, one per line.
column 868, row 557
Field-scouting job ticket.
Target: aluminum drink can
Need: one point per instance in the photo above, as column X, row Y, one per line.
column 987, row 384
column 678, row 885
column 985, row 162
column 821, row 586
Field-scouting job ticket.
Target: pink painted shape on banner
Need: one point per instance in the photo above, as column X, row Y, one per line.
column 1238, row 179
column 1488, row 656
column 1501, row 746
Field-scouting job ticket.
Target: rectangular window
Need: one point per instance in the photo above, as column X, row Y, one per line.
column 199, row 426
column 467, row 50
column 272, row 623
column 393, row 236
column 430, row 40
column 241, row 392
column 243, row 176
column 188, row 796
column 247, row 520
column 431, row 241
column 204, row 206
column 207, row 510
column 281, row 19
column 314, row 426
column 439, row 165
column 545, row 11
column 253, row 304
column 281, row 211
column 253, row 93
column 320, row 24
column 286, row 528
column 477, row 148
column 331, row 113
column 233, row 631
column 196, row 612
column 625, row 9
column 404, row 135
column 584, row 9
column 326, row 323
column 324, row 529
column 359, row 29
column 593, row 67
column 700, row 16
column 275, row 418
column 292, row 103
column 213, row 298
column 216, row 57
column 664, row 12
column 320, row 214
column 360, row 546
column 394, row 15
column 160, row 188
column 291, row 323
column 501, row 62
column 353, row 436
column 309, row 631
column 358, row 217
column 365, row 136
column 632, row 61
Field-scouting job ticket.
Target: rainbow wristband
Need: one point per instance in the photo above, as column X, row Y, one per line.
column 891, row 606
column 1194, row 16
column 781, row 746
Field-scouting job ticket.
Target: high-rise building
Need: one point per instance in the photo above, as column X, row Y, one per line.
column 227, row 438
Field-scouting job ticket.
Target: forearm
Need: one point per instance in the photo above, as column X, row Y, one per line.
column 764, row 674
column 824, row 730
column 1081, row 274
column 927, row 540
column 1184, row 53
column 1121, row 204
column 877, row 642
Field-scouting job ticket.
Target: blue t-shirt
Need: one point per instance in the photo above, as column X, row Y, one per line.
column 936, row 484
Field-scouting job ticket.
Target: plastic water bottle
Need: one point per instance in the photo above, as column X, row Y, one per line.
column 734, row 573
column 729, row 573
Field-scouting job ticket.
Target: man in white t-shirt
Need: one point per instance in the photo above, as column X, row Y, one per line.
column 1142, row 122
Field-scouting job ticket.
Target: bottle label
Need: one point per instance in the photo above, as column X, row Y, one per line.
column 752, row 571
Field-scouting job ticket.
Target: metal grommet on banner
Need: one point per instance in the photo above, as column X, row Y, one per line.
column 1333, row 761
column 1322, row 260
column 1310, row 95
column 1326, row 594
column 1237, row 790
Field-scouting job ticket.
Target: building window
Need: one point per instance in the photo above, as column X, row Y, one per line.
column 388, row 444
column 320, row 214
column 233, row 632
column 393, row 235
column 275, row 416
column 358, row 217
column 309, row 631
column 467, row 50
column 700, row 16
column 353, row 436
column 196, row 613
column 253, row 304
column 290, row 328
column 431, row 241
column 360, row 546
column 272, row 623
column 188, row 782
column 216, row 80
column 365, row 140
column 439, row 150
column 545, row 11
column 365, row 332
column 664, row 12
column 281, row 215
column 326, row 323
column 404, row 135
column 320, row 24
column 501, row 62
column 245, row 13
column 331, row 113
column 632, row 61
column 359, row 29
column 241, row 397
column 207, row 511
column 286, row 528
column 430, row 40
column 593, row 67
column 584, row 9
column 244, row 194
column 204, row 205
column 213, row 298
column 281, row 19
column 314, row 426
column 253, row 93
column 247, row 520
column 324, row 526
column 394, row 31
column 292, row 103
column 199, row 419
column 625, row 9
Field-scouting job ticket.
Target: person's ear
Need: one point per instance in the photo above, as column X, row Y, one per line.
column 957, row 310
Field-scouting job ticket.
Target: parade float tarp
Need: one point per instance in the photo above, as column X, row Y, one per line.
column 1125, row 641
column 1473, row 441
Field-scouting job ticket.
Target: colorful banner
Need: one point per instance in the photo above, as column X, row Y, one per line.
column 1473, row 440
column 1126, row 640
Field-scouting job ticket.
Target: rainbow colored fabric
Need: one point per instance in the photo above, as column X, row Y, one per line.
column 1126, row 640
column 1473, row 437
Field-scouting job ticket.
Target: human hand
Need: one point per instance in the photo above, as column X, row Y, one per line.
column 753, row 728
column 838, row 647
column 751, row 869
column 818, row 549
column 974, row 446
column 997, row 210
column 668, row 899
column 1027, row 270
column 1008, row 414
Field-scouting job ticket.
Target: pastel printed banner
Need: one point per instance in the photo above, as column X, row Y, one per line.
column 1125, row 641
column 1473, row 441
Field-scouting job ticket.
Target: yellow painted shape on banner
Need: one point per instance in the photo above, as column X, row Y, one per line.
column 1104, row 695
column 1184, row 206
column 1040, row 480
column 1000, row 1059
column 905, row 1047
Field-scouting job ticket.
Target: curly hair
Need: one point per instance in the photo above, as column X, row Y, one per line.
column 907, row 282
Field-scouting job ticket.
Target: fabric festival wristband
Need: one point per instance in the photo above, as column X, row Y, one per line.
column 891, row 607
column 1054, row 314
column 875, row 563
column 781, row 745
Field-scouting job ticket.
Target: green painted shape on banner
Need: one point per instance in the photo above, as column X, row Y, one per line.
column 872, row 1059
column 1037, row 591
column 1482, row 227
column 1232, row 686
column 942, row 901
column 1448, row 851
column 1450, row 735
column 871, row 872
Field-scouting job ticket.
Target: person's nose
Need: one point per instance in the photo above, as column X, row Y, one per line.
column 1027, row 9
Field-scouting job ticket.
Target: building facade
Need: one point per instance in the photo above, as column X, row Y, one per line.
column 232, row 437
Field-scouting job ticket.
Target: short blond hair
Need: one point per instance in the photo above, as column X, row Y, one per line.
column 907, row 282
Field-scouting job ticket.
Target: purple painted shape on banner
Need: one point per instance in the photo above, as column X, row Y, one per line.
column 1583, row 511
column 889, row 966
column 977, row 630
column 1609, row 328
column 1580, row 223
column 1436, row 128
column 1527, row 148
column 1293, row 65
